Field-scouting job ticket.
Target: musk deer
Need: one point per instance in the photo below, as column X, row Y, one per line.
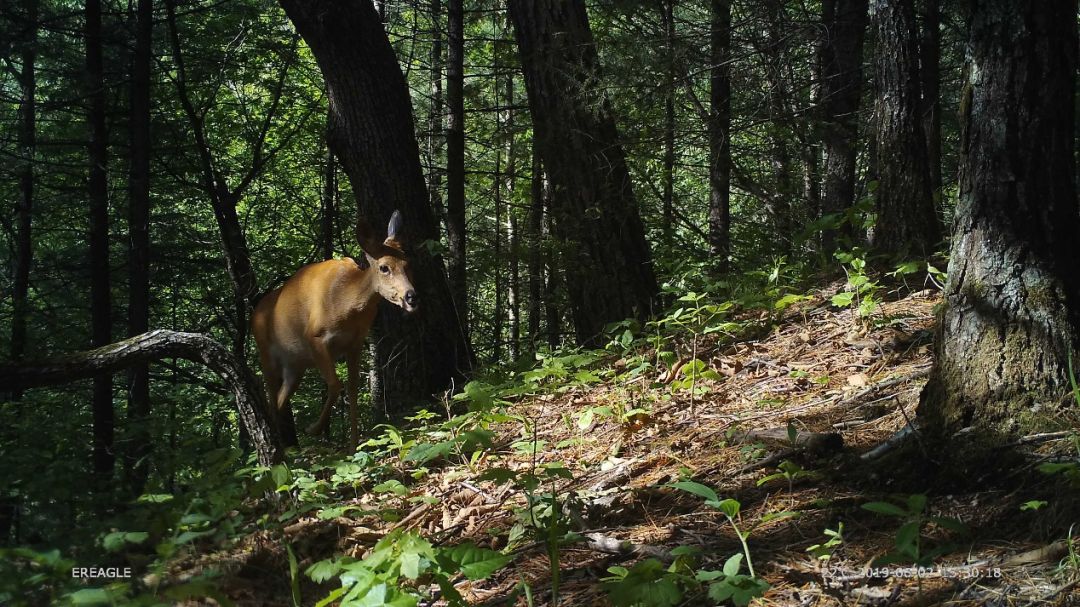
column 321, row 315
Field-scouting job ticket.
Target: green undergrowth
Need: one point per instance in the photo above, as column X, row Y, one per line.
column 475, row 435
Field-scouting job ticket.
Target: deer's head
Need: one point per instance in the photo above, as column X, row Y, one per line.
column 392, row 278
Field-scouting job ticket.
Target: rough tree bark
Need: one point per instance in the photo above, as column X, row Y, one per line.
column 372, row 135
column 720, row 135
column 328, row 211
column 906, row 220
column 156, row 345
column 841, row 89
column 455, row 159
column 609, row 271
column 98, row 195
column 138, row 412
column 1011, row 315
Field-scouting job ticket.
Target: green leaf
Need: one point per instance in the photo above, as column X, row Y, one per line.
column 697, row 489
column 334, row 595
column 117, row 540
column 732, row 565
column 90, row 596
column 476, row 438
column 916, row 503
column 391, row 486
column 321, row 571
column 843, row 300
column 951, row 524
column 585, row 421
column 730, row 507
column 646, row 583
column 475, row 562
column 498, row 476
column 425, row 452
column 885, row 508
column 907, row 536
column 281, row 474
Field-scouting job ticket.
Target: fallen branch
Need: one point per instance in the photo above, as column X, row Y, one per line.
column 152, row 346
column 894, row 441
column 610, row 545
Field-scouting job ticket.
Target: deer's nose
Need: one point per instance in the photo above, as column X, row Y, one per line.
column 411, row 298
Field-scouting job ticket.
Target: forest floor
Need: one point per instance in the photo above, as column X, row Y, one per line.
column 838, row 386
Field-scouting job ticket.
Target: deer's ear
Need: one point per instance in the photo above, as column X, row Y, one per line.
column 393, row 229
column 367, row 239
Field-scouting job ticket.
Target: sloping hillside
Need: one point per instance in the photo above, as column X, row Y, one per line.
column 599, row 466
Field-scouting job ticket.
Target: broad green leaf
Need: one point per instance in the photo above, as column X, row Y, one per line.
column 885, row 508
column 697, row 489
column 732, row 565
column 475, row 562
column 843, row 300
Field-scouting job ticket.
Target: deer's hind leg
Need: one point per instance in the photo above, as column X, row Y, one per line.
column 324, row 363
column 280, row 386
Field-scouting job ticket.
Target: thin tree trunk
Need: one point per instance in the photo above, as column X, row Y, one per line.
column 512, row 297
column 98, row 195
column 841, row 90
column 373, row 137
column 906, row 220
column 138, row 412
column 611, row 275
column 496, row 248
column 24, row 209
column 156, row 345
column 552, row 264
column 930, row 71
column 1011, row 313
column 455, row 159
column 534, row 241
column 720, row 135
column 778, row 206
column 667, row 18
column 436, row 132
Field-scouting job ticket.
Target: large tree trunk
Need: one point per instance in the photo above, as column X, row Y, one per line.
column 24, row 208
column 455, row 159
column 720, row 135
column 1011, row 315
column 138, row 412
column 841, row 89
column 609, row 266
column 906, row 220
column 98, row 195
column 372, row 136
column 156, row 345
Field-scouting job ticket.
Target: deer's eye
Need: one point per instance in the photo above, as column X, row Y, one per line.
column 384, row 269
